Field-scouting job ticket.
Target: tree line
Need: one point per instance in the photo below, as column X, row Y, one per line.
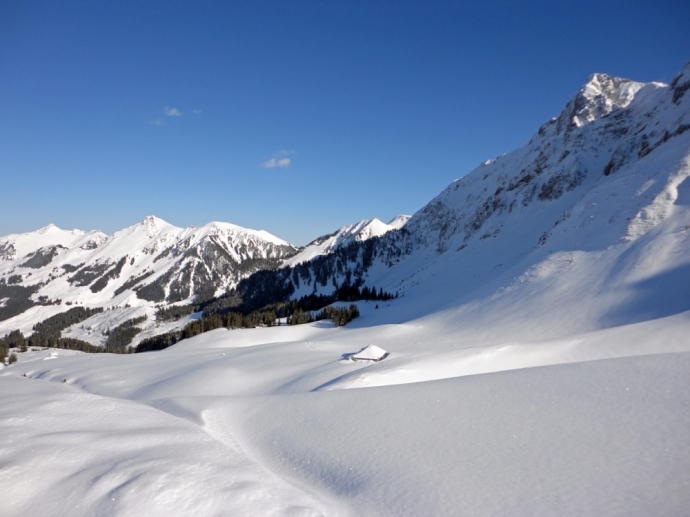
column 340, row 315
column 122, row 335
column 48, row 334
column 268, row 317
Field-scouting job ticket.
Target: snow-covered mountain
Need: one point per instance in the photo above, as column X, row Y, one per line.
column 604, row 133
column 597, row 200
column 361, row 231
column 537, row 360
column 399, row 221
column 152, row 262
column 601, row 183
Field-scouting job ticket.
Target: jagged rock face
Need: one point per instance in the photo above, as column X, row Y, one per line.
column 207, row 261
column 601, row 95
column 610, row 125
column 7, row 251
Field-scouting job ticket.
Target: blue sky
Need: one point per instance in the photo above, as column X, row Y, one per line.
column 292, row 117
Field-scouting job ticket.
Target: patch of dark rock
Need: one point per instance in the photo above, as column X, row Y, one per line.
column 679, row 91
column 90, row 245
column 646, row 148
column 521, row 182
column 7, row 251
column 559, row 184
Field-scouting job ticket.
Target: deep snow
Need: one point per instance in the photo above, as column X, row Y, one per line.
column 534, row 368
column 240, row 422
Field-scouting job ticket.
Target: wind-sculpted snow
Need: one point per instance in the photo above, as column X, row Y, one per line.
column 132, row 460
column 211, row 425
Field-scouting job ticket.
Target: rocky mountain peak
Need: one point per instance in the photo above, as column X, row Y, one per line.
column 151, row 226
column 153, row 222
column 598, row 97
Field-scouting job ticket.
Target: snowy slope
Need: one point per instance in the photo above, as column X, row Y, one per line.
column 399, row 221
column 537, row 360
column 596, row 202
column 171, row 431
column 146, row 264
column 359, row 232
column 592, row 208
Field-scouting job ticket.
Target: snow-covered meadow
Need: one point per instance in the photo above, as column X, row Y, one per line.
column 269, row 422
column 537, row 361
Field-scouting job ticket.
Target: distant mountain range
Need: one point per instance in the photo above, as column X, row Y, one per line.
column 152, row 263
column 604, row 183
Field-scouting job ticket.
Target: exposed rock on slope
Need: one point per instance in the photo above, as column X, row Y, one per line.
column 608, row 129
column 359, row 232
column 150, row 262
column 608, row 170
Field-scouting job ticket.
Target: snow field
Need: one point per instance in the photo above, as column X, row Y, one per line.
column 66, row 452
column 538, row 365
column 587, row 439
column 207, row 433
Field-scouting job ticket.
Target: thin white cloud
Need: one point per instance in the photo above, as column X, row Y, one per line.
column 196, row 112
column 280, row 159
column 156, row 122
column 276, row 162
column 173, row 112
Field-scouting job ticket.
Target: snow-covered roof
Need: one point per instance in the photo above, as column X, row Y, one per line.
column 370, row 353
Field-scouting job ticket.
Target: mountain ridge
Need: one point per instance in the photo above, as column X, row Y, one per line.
column 593, row 184
column 139, row 266
column 135, row 270
column 361, row 231
column 593, row 194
